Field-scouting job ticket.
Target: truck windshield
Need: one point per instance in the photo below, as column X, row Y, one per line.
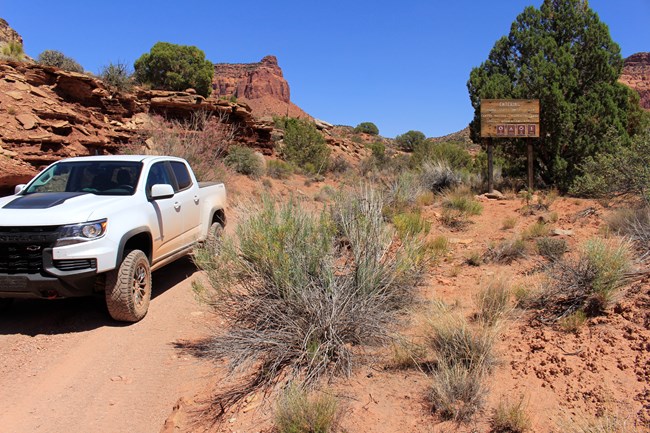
column 94, row 177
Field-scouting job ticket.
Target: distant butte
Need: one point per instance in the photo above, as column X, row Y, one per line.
column 261, row 85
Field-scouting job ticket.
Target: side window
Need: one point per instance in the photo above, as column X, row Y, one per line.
column 183, row 177
column 158, row 174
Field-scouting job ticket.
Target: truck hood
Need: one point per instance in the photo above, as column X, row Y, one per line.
column 54, row 208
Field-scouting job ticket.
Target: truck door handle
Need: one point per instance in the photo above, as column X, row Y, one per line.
column 177, row 205
column 196, row 199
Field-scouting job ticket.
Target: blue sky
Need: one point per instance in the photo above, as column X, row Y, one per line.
column 402, row 65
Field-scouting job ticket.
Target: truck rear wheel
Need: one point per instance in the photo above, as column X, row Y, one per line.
column 213, row 240
column 128, row 288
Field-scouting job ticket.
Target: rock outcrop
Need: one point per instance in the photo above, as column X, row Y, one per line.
column 636, row 74
column 47, row 114
column 261, row 86
column 7, row 34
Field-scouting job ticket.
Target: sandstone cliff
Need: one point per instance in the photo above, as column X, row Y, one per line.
column 7, row 34
column 260, row 85
column 636, row 74
column 47, row 114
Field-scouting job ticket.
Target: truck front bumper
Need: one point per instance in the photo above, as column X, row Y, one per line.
column 57, row 279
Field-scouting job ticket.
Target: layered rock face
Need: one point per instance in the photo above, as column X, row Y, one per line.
column 47, row 114
column 251, row 80
column 636, row 74
column 7, row 34
column 260, row 85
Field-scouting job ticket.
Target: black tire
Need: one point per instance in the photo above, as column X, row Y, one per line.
column 5, row 303
column 213, row 240
column 128, row 288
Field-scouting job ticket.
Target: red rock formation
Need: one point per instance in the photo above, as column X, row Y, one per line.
column 47, row 114
column 7, row 34
column 260, row 85
column 636, row 74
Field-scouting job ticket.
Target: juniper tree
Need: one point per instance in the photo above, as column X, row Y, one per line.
column 563, row 55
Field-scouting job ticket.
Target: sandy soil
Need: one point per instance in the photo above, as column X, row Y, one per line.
column 66, row 367
column 603, row 369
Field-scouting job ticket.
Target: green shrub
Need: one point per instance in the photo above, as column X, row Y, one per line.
column 298, row 412
column 244, row 160
column 452, row 154
column 117, row 77
column 462, row 201
column 587, row 282
column 411, row 224
column 304, row 146
column 620, row 171
column 13, row 50
column 551, row 248
column 297, row 292
column 278, row 169
column 59, row 60
column 175, row 67
column 410, row 140
column 367, row 128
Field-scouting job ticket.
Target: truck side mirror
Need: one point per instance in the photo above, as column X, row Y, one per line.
column 19, row 188
column 161, row 191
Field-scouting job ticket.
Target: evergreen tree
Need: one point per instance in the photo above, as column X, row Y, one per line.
column 175, row 67
column 563, row 55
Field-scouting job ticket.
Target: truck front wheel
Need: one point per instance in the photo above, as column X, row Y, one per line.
column 128, row 288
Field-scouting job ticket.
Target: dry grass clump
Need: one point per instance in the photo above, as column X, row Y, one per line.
column 511, row 417
column 583, row 423
column 411, row 224
column 462, row 200
column 551, row 248
column 509, row 223
column 506, row 251
column 407, row 354
column 298, row 412
column 402, row 193
column 635, row 225
column 202, row 140
column 536, row 230
column 438, row 175
column 587, row 282
column 464, row 357
column 298, row 291
column 493, row 301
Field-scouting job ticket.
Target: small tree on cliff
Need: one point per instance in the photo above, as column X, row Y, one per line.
column 367, row 128
column 410, row 140
column 175, row 67
column 563, row 55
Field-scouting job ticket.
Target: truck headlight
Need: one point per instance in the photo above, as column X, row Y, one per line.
column 76, row 233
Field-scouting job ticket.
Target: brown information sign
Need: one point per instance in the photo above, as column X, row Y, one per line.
column 504, row 118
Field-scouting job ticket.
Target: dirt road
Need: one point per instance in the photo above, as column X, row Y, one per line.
column 66, row 367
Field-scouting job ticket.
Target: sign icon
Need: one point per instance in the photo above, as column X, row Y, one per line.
column 511, row 130
column 501, row 130
column 521, row 129
column 532, row 129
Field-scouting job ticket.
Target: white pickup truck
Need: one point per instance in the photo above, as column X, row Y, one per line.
column 103, row 224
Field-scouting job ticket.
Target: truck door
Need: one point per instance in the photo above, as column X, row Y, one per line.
column 168, row 228
column 187, row 194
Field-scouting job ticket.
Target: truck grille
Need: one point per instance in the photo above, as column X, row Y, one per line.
column 21, row 248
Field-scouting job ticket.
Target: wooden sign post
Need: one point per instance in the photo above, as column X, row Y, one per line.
column 510, row 118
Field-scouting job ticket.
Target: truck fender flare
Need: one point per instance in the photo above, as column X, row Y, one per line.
column 127, row 236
